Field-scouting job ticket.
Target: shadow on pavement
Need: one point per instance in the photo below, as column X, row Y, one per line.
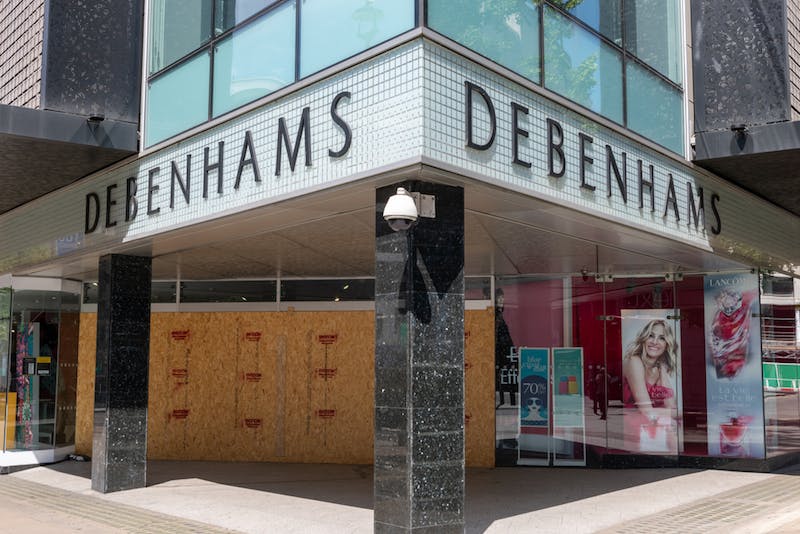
column 491, row 494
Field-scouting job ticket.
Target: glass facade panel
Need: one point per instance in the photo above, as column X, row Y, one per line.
column 327, row 290
column 177, row 27
column 333, row 31
column 781, row 363
column 653, row 34
column 229, row 13
column 42, row 370
column 655, row 109
column 634, row 370
column 162, row 292
column 581, row 67
column 239, row 79
column 505, row 32
column 229, row 291
column 6, row 411
column 164, row 117
column 604, row 16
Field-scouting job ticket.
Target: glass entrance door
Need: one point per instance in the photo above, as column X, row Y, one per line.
column 642, row 355
column 39, row 376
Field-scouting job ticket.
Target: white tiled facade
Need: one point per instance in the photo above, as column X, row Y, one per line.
column 406, row 105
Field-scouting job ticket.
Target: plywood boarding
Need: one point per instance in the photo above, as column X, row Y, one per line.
column 87, row 342
column 269, row 386
column 479, row 387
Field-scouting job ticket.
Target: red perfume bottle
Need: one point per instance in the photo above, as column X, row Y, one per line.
column 732, row 434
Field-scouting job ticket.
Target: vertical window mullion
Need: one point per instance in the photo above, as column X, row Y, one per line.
column 297, row 43
column 211, row 49
column 624, row 64
column 541, row 44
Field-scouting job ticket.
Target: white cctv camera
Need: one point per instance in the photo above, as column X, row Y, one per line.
column 400, row 211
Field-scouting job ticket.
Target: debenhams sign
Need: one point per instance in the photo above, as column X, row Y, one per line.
column 188, row 179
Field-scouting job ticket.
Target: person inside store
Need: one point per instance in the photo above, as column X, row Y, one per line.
column 600, row 400
column 648, row 388
column 505, row 366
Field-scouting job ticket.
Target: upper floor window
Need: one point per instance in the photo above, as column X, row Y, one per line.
column 208, row 57
column 620, row 59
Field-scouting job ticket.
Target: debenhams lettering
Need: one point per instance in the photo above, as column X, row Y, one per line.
column 617, row 166
column 181, row 173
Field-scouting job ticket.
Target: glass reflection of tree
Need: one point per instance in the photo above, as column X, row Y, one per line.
column 576, row 82
column 496, row 30
column 367, row 18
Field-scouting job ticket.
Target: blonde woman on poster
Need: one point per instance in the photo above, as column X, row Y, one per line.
column 649, row 396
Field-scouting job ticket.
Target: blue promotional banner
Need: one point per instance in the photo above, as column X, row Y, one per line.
column 734, row 396
column 533, row 390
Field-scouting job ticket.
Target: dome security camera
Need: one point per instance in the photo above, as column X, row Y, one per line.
column 400, row 211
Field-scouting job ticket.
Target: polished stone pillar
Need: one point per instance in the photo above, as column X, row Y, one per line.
column 119, row 446
column 419, row 367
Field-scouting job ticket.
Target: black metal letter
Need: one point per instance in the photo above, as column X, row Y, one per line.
column 283, row 134
column 583, row 141
column 348, row 134
column 209, row 167
column 645, row 184
column 472, row 88
column 131, row 204
column 694, row 212
column 516, row 131
column 243, row 160
column 555, row 148
column 176, row 177
column 109, row 204
column 92, row 198
column 716, row 229
column 622, row 179
column 152, row 173
column 671, row 199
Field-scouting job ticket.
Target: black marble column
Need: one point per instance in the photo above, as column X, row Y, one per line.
column 119, row 446
column 419, row 367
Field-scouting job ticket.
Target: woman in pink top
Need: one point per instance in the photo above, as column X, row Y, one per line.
column 648, row 369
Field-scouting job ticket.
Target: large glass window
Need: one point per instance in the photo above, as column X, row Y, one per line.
column 333, row 31
column 253, row 48
column 655, row 108
column 586, row 47
column 229, row 13
column 171, row 108
column 41, row 369
column 604, row 16
column 581, row 67
column 653, row 34
column 505, row 32
column 176, row 28
column 237, row 78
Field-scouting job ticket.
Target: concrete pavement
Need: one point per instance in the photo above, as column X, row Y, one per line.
column 292, row 498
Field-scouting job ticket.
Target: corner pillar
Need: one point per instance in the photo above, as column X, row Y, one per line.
column 419, row 367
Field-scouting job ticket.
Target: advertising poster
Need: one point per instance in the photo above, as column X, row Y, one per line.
column 651, row 381
column 568, row 387
column 733, row 366
column 533, row 391
column 534, row 394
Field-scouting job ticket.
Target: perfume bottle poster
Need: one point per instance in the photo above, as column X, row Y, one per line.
column 734, row 396
column 651, row 383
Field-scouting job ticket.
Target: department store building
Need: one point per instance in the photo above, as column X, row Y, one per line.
column 196, row 264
